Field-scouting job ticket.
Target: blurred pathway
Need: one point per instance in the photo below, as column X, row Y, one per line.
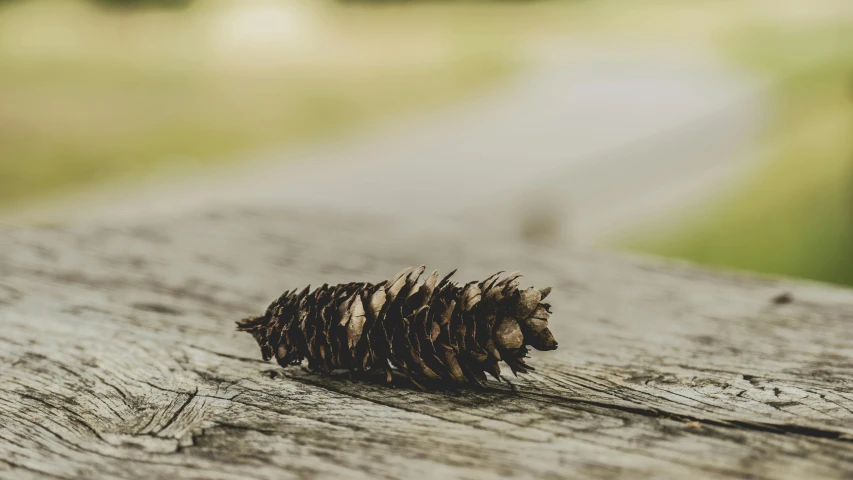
column 595, row 141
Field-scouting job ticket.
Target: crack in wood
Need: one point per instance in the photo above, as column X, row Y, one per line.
column 177, row 413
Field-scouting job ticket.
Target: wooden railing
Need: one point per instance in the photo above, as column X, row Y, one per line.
column 120, row 360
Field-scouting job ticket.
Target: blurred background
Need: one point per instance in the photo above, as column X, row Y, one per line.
column 716, row 131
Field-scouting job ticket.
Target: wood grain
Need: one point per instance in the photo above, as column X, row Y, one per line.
column 119, row 359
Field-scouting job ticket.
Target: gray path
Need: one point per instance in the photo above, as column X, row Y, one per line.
column 595, row 141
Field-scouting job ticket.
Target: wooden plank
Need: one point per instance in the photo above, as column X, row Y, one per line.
column 120, row 359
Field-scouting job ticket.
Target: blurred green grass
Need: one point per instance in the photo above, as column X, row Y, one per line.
column 794, row 214
column 92, row 96
column 118, row 95
column 108, row 125
column 96, row 96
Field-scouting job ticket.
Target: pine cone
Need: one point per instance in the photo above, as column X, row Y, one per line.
column 432, row 331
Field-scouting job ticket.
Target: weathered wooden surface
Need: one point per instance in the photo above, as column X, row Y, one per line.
column 120, row 359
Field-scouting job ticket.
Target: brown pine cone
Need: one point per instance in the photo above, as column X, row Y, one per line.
column 432, row 331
